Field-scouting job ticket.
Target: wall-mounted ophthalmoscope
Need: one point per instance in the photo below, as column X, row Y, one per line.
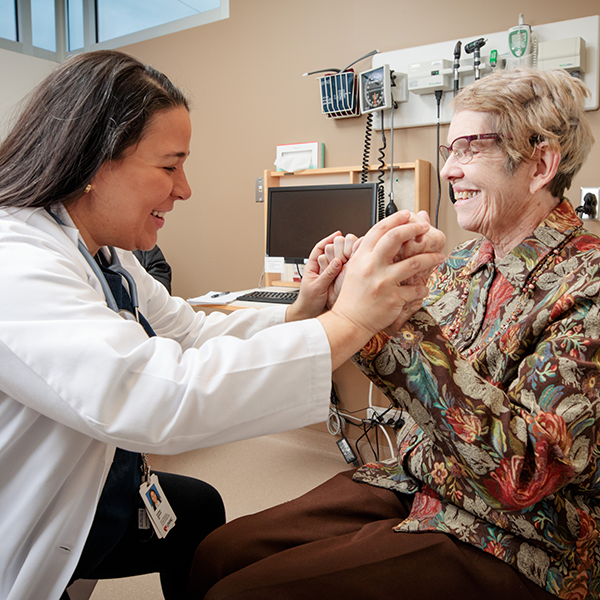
column 474, row 48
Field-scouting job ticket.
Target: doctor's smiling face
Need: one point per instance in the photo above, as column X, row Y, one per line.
column 130, row 197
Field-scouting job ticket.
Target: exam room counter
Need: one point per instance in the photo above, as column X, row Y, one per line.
column 238, row 304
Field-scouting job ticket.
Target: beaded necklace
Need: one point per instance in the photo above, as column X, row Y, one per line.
column 526, row 293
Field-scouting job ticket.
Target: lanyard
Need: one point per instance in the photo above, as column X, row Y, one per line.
column 115, row 267
column 118, row 269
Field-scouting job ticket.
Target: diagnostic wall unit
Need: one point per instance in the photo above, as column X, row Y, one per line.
column 421, row 109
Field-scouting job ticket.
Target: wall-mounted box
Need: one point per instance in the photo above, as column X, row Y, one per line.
column 429, row 76
column 568, row 54
column 297, row 157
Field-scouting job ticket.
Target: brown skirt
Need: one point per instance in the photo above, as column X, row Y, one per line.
column 337, row 543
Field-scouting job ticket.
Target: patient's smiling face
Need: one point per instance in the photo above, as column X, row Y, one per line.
column 488, row 199
column 130, row 197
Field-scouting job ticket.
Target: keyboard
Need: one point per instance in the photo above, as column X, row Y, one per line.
column 274, row 297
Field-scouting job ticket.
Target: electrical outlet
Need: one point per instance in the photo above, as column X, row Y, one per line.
column 259, row 190
column 591, row 208
column 386, row 416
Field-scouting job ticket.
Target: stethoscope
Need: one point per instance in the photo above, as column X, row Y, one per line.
column 115, row 267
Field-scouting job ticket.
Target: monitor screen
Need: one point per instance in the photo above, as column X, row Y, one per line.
column 299, row 217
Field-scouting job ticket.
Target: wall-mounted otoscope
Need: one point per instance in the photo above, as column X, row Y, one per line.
column 456, row 65
column 474, row 48
column 455, row 68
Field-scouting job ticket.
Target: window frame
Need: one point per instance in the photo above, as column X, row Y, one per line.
column 24, row 29
column 25, row 33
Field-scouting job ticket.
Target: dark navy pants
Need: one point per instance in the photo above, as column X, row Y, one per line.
column 199, row 510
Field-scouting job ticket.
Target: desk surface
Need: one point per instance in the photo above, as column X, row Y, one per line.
column 238, row 305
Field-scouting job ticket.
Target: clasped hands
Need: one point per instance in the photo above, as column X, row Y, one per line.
column 376, row 282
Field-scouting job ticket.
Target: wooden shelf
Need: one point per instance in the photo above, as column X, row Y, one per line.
column 411, row 188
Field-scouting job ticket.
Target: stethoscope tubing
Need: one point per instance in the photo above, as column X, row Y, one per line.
column 115, row 267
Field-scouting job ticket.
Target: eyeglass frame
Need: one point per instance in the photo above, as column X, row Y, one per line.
column 469, row 138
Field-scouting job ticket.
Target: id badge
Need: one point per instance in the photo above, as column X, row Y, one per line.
column 157, row 506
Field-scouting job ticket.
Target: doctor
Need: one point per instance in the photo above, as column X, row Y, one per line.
column 99, row 364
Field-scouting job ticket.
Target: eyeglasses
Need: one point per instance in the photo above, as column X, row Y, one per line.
column 462, row 148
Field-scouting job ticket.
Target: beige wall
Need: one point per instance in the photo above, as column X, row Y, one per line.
column 244, row 76
column 20, row 74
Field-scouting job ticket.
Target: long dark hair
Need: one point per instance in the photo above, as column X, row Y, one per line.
column 89, row 110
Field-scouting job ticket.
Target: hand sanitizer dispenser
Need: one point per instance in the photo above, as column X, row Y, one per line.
column 520, row 44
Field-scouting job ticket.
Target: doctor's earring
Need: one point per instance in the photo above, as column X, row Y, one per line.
column 88, row 188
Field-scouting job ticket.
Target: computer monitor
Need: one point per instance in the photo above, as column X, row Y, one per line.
column 300, row 216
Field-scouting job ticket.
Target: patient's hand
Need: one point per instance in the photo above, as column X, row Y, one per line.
column 316, row 282
column 343, row 248
column 432, row 241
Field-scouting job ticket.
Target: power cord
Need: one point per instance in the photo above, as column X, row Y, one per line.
column 391, row 207
column 262, row 276
column 337, row 422
column 438, row 99
column 343, row 443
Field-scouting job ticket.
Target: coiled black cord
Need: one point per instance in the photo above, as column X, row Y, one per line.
column 380, row 184
column 367, row 149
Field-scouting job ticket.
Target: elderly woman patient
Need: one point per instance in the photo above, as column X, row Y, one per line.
column 495, row 490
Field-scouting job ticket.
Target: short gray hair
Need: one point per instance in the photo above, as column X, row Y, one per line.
column 529, row 106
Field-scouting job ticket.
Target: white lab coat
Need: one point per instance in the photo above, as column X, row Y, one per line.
column 77, row 380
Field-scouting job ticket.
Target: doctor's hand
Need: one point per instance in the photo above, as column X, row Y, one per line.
column 432, row 240
column 316, row 282
column 372, row 295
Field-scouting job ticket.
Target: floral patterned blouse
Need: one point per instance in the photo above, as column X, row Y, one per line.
column 498, row 377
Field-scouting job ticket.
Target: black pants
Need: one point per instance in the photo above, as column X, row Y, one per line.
column 199, row 510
